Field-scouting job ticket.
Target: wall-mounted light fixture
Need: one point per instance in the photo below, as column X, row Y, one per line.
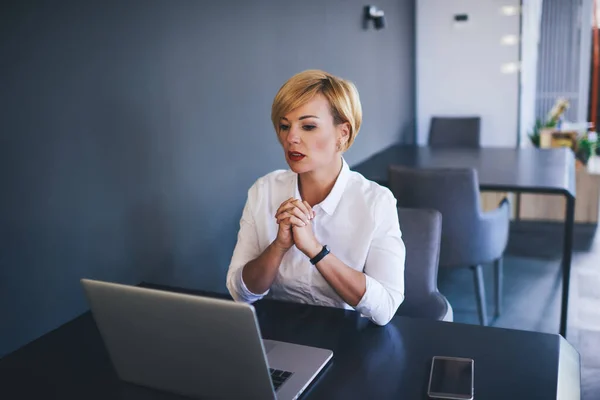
column 375, row 14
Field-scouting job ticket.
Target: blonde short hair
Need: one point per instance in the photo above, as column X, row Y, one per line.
column 341, row 94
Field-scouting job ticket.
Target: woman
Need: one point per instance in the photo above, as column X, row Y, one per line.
column 319, row 233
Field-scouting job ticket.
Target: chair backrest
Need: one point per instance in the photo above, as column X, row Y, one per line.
column 454, row 132
column 454, row 192
column 421, row 233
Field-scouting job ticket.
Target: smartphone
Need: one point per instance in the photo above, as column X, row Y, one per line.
column 451, row 378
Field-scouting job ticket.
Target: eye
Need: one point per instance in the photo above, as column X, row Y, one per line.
column 309, row 127
column 283, row 127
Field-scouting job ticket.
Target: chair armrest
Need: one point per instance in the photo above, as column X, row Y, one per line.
column 440, row 312
column 499, row 212
column 494, row 231
column 433, row 307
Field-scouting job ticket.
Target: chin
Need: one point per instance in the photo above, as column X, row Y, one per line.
column 300, row 167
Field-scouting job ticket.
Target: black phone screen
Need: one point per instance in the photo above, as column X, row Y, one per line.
column 452, row 376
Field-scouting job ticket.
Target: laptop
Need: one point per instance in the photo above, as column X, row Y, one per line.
column 197, row 346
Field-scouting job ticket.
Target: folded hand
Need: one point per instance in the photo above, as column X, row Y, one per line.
column 295, row 226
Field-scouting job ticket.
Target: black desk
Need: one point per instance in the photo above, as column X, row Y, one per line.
column 370, row 362
column 547, row 171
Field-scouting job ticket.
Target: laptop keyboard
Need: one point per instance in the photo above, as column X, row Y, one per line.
column 279, row 377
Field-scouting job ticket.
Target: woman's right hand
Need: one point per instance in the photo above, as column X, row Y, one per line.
column 290, row 212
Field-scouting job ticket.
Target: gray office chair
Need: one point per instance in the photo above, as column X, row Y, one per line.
column 454, row 132
column 421, row 233
column 470, row 237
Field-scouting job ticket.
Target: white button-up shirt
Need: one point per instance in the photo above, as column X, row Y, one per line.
column 358, row 221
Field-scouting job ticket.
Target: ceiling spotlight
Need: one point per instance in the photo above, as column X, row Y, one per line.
column 509, row 40
column 509, row 68
column 509, row 11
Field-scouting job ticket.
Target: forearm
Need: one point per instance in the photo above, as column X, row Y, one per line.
column 367, row 295
column 258, row 274
column 379, row 305
column 348, row 283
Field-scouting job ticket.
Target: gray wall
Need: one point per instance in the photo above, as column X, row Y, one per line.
column 131, row 131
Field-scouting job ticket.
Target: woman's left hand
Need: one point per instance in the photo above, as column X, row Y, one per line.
column 304, row 237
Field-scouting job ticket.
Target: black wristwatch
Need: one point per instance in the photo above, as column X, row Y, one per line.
column 320, row 256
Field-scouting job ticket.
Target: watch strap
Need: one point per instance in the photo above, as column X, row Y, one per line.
column 324, row 251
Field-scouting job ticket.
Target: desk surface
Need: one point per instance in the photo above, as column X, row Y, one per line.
column 502, row 169
column 390, row 362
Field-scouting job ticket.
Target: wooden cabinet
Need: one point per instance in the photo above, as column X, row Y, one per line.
column 546, row 207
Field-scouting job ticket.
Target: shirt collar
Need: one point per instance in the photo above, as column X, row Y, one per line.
column 333, row 199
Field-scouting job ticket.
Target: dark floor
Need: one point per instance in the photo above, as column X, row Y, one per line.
column 532, row 290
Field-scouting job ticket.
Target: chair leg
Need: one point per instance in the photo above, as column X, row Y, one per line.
column 499, row 274
column 480, row 294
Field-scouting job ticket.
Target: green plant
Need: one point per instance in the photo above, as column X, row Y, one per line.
column 554, row 115
column 534, row 135
column 587, row 142
column 585, row 148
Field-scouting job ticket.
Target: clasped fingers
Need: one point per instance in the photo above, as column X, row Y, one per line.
column 295, row 217
column 292, row 207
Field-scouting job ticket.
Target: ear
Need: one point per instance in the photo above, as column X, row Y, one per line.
column 344, row 132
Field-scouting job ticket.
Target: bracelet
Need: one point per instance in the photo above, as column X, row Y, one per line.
column 320, row 256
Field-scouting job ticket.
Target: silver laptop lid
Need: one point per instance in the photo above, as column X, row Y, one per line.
column 184, row 344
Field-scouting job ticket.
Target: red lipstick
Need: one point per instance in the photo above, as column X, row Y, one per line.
column 295, row 156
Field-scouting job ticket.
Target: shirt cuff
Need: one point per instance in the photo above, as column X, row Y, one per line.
column 376, row 304
column 245, row 294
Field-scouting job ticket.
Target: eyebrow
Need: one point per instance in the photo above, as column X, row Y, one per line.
column 303, row 117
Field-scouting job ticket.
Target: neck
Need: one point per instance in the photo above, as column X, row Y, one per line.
column 315, row 186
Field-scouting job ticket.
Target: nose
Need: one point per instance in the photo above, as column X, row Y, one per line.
column 293, row 136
